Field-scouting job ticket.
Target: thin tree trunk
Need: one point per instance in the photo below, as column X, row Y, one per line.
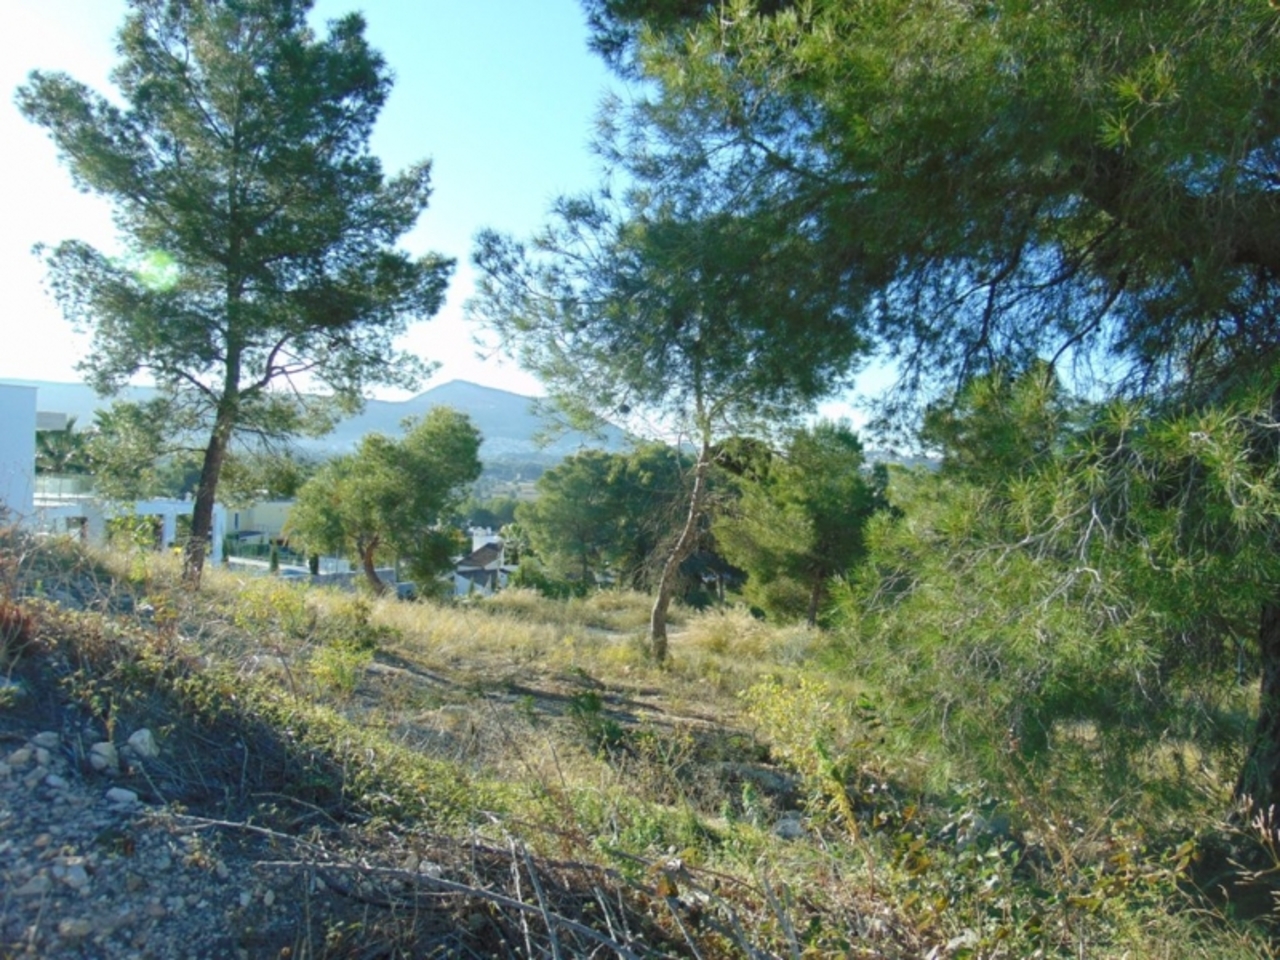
column 1258, row 789
column 680, row 551
column 215, row 455
column 815, row 598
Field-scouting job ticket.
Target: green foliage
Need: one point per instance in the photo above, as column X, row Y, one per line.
column 129, row 449
column 532, row 576
column 1006, row 181
column 669, row 303
column 387, row 499
column 1057, row 624
column 493, row 513
column 63, row 452
column 601, row 732
column 260, row 231
column 348, row 621
column 602, row 515
column 339, row 667
column 800, row 520
column 269, row 606
column 252, row 476
column 999, row 426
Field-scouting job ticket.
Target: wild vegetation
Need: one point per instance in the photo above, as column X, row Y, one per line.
column 948, row 773
column 1034, row 708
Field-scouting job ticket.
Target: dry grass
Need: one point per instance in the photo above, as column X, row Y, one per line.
column 536, row 743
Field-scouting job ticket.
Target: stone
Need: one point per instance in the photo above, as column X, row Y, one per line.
column 48, row 740
column 74, row 928
column 37, row 886
column 269, row 898
column 121, row 796
column 143, row 743
column 20, row 757
column 72, row 872
column 55, row 781
column 103, row 757
column 43, row 757
column 789, row 827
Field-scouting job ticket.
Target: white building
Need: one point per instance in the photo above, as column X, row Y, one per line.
column 19, row 422
column 17, row 451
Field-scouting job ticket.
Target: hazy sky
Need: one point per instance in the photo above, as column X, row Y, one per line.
column 500, row 94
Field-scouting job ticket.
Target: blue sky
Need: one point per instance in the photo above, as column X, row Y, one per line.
column 500, row 94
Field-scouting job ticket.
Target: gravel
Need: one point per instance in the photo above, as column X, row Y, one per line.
column 86, row 870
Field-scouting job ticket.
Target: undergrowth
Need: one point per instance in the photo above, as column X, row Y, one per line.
column 747, row 800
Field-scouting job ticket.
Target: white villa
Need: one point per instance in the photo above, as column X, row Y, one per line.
column 66, row 507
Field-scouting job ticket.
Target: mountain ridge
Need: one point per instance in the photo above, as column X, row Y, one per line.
column 508, row 422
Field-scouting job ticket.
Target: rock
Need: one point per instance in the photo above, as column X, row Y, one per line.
column 43, row 757
column 789, row 827
column 37, row 886
column 121, row 796
column 55, row 781
column 269, row 898
column 103, row 757
column 48, row 740
column 5, row 771
column 20, row 757
column 74, row 928
column 72, row 872
column 967, row 940
column 143, row 743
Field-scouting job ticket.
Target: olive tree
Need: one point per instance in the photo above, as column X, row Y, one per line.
column 389, row 498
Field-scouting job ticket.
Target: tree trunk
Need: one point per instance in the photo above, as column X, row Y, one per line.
column 370, row 572
column 215, row 454
column 680, row 550
column 1258, row 789
column 815, row 598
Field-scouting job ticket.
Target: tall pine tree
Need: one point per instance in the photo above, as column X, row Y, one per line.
column 260, row 230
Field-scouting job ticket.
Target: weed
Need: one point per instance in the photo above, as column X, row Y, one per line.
column 338, row 667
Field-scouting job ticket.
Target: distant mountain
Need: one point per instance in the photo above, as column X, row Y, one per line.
column 508, row 421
